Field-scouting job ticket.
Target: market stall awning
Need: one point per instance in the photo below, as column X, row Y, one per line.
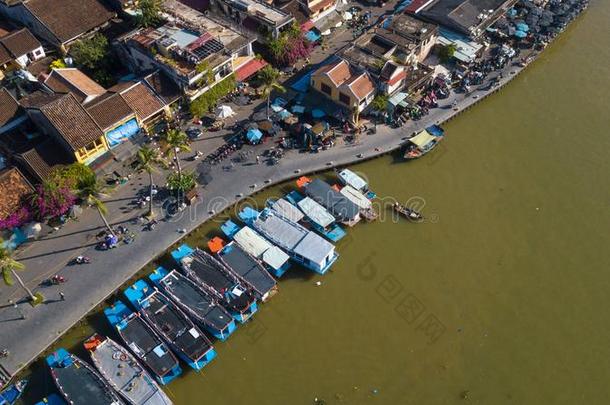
column 307, row 25
column 250, row 68
column 397, row 98
column 254, row 135
column 312, row 36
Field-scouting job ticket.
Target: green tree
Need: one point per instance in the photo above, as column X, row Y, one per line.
column 269, row 79
column 90, row 53
column 57, row 64
column 9, row 266
column 177, row 141
column 181, row 184
column 380, row 103
column 91, row 191
column 148, row 159
column 446, row 52
column 149, row 13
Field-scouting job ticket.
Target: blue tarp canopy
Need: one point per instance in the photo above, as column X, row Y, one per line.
column 298, row 109
column 317, row 113
column 303, row 83
column 122, row 133
column 523, row 27
column 312, row 36
column 254, row 135
column 520, row 34
column 283, row 114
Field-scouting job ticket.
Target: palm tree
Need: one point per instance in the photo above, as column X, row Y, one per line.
column 8, row 266
column 148, row 159
column 178, row 141
column 92, row 191
column 269, row 79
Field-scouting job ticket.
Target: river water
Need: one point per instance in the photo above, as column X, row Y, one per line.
column 500, row 297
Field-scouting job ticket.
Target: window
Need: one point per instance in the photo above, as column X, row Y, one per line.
column 344, row 98
column 326, row 89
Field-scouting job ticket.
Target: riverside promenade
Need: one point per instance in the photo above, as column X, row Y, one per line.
column 26, row 332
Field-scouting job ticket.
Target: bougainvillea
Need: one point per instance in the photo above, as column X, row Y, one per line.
column 51, row 201
column 18, row 218
column 298, row 48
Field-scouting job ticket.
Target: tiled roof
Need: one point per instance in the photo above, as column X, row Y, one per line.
column 361, row 86
column 321, row 5
column 142, row 100
column 109, row 111
column 8, row 107
column 44, row 157
column 164, row 87
column 68, row 19
column 5, row 56
column 13, row 188
column 20, row 42
column 72, row 122
column 38, row 99
column 73, row 80
column 338, row 72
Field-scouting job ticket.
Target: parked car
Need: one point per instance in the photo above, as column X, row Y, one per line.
column 193, row 132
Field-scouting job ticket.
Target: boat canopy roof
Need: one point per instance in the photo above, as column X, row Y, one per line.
column 259, row 247
column 356, row 197
column 280, row 229
column 275, row 257
column 352, row 179
column 251, row 241
column 422, row 139
column 315, row 212
column 315, row 248
column 334, row 201
column 287, row 210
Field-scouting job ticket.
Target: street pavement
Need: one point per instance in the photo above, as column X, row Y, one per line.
column 88, row 285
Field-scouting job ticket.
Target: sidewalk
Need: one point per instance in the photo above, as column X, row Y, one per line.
column 90, row 284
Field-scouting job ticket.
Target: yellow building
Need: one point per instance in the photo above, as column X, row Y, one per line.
column 340, row 83
column 62, row 117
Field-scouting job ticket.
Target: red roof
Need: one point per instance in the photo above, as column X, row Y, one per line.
column 307, row 25
column 249, row 69
column 397, row 78
column 417, row 5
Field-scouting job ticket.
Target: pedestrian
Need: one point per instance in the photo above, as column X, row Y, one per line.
column 62, row 296
column 258, row 159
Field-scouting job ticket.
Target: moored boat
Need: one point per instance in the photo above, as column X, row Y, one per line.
column 78, row 382
column 13, row 392
column 276, row 261
column 144, row 342
column 423, row 142
column 52, row 399
column 199, row 304
column 330, row 198
column 349, row 178
column 317, row 216
column 407, row 212
column 210, row 274
column 366, row 205
column 249, row 270
column 185, row 339
column 304, row 246
column 123, row 372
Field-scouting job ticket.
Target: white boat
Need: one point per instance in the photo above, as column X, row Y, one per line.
column 304, row 246
column 123, row 372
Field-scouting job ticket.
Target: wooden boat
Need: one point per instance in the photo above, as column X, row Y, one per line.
column 199, row 304
column 52, row 399
column 144, row 342
column 423, row 142
column 123, row 372
column 407, row 212
column 12, row 393
column 210, row 274
column 78, row 382
column 177, row 329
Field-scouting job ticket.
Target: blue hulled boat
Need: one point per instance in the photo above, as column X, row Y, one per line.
column 213, row 276
column 52, row 399
column 12, row 393
column 78, row 382
column 317, row 216
column 185, row 339
column 276, row 261
column 305, row 247
column 144, row 342
column 199, row 304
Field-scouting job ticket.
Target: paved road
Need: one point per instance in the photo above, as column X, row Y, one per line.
column 88, row 285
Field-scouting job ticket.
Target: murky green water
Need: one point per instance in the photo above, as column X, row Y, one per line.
column 501, row 297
